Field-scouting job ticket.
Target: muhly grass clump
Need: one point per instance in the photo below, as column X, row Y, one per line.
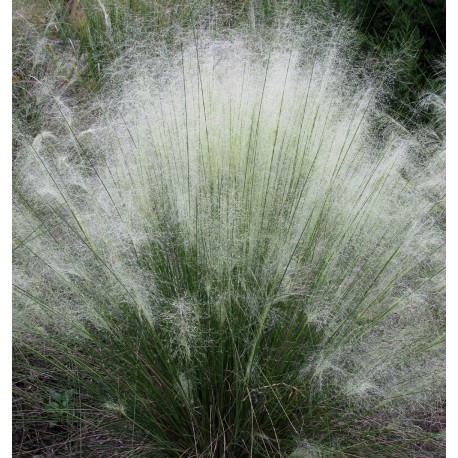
column 241, row 257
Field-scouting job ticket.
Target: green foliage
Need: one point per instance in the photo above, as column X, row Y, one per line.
column 60, row 406
column 102, row 30
column 409, row 32
column 413, row 32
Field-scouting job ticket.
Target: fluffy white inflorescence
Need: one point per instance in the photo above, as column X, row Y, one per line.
column 246, row 176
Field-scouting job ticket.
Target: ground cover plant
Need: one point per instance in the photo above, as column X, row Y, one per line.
column 238, row 254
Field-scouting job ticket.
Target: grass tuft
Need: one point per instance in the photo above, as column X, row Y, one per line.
column 241, row 256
